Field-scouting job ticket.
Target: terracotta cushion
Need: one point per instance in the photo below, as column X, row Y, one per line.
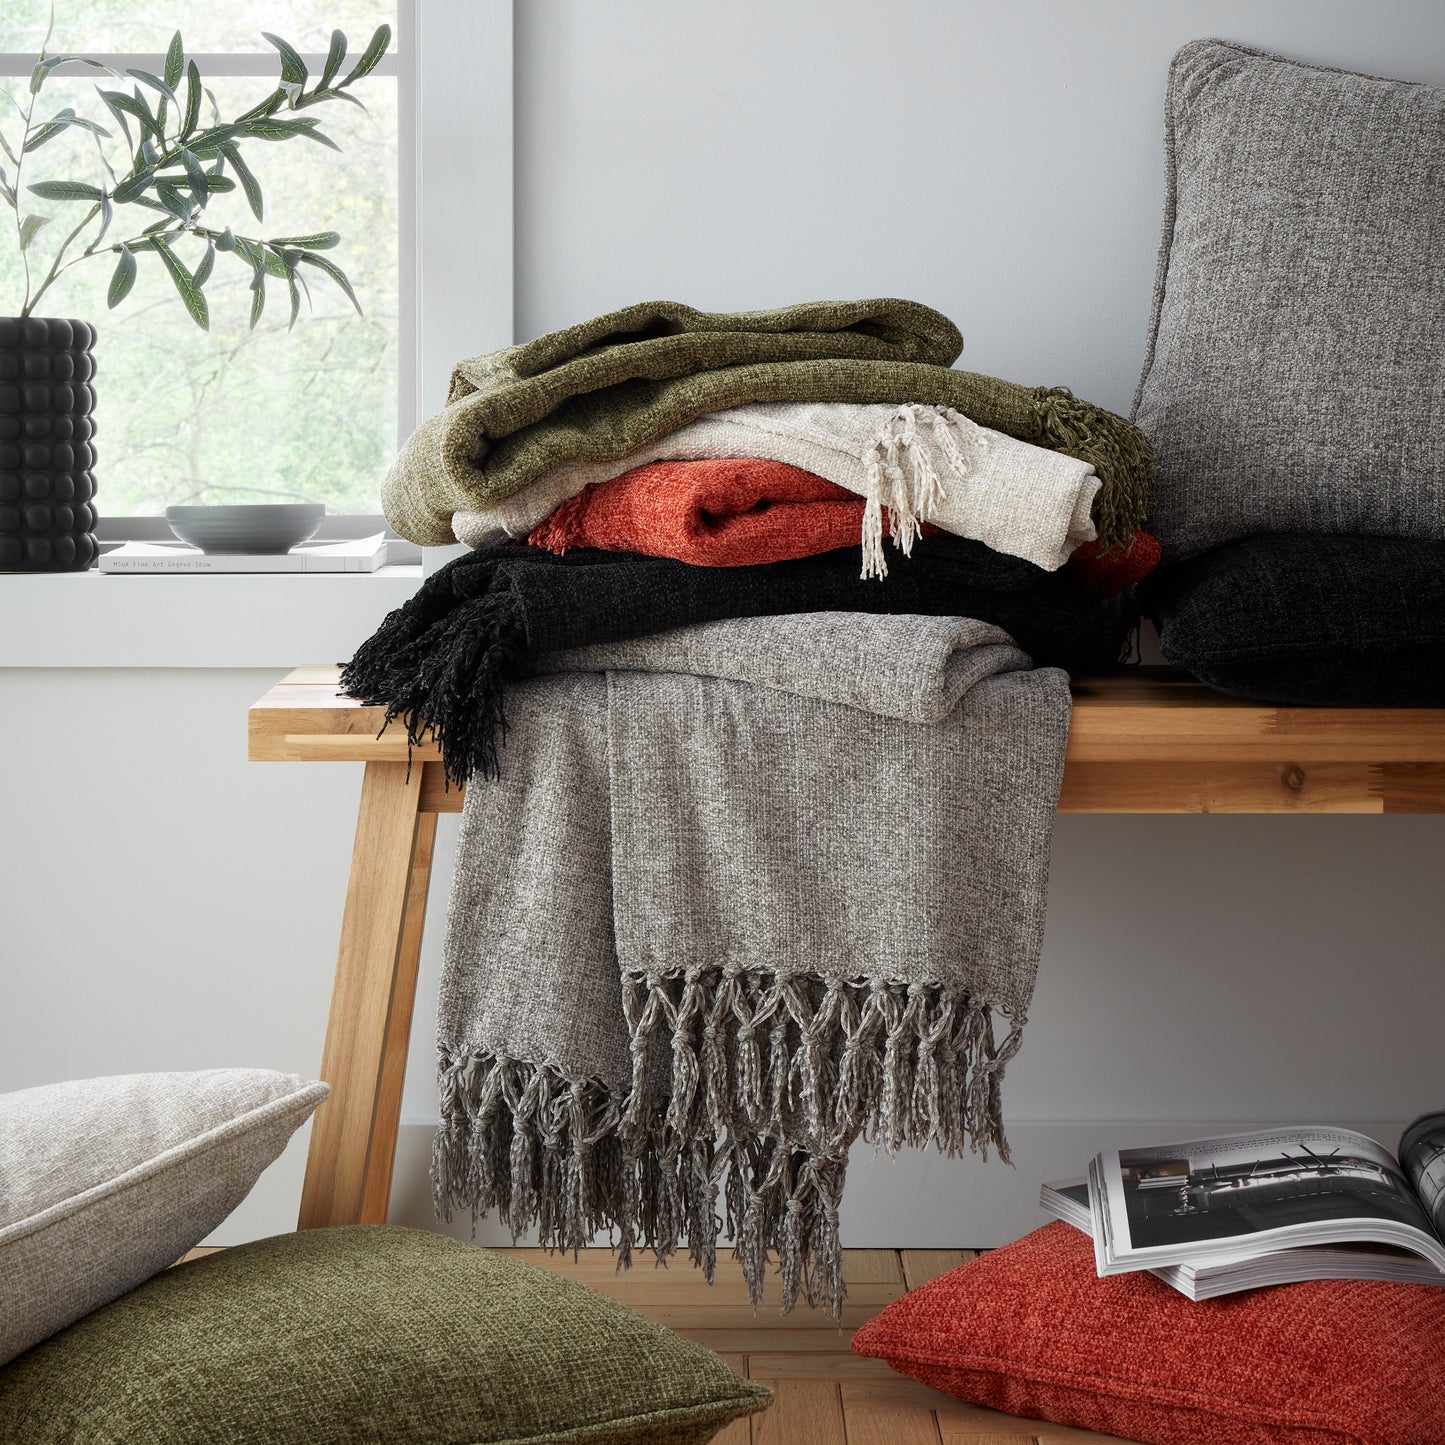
column 1032, row 1330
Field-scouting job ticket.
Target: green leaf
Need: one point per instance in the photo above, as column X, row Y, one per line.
column 195, row 177
column 65, row 191
column 316, row 241
column 28, row 227
column 119, row 101
column 371, row 56
column 269, row 106
column 133, row 188
column 122, row 279
column 175, row 61
column 226, row 241
column 157, row 84
column 107, row 215
column 117, row 113
column 6, row 189
column 330, row 267
column 293, row 68
column 171, row 198
column 193, row 99
column 208, row 262
column 218, row 185
column 334, row 56
column 258, row 296
column 295, row 300
column 44, row 67
column 62, row 120
column 191, row 294
column 249, row 183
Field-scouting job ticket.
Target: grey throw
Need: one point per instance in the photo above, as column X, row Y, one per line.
column 743, row 892
column 1295, row 376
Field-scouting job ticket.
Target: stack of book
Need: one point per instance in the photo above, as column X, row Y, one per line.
column 1212, row 1216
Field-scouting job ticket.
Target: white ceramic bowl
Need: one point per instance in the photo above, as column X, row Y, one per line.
column 262, row 528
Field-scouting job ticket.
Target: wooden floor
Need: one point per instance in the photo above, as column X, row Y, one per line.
column 824, row 1394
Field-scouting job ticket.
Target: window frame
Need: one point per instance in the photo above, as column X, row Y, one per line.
column 454, row 68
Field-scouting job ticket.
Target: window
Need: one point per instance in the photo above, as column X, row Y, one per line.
column 231, row 414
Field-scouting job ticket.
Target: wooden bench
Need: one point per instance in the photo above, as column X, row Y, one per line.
column 1144, row 741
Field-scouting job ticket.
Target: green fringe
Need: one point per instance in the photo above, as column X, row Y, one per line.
column 1120, row 454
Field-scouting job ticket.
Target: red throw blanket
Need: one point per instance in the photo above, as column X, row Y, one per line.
column 736, row 512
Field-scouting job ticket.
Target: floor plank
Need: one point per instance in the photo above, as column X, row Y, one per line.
column 889, row 1425
column 922, row 1265
column 803, row 1412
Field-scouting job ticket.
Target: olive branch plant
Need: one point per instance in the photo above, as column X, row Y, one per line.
column 175, row 166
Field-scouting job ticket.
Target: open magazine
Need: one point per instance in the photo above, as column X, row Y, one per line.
column 1211, row 1216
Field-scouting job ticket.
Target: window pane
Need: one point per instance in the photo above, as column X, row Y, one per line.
column 235, row 415
column 83, row 27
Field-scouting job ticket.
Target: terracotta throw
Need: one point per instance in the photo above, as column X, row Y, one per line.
column 734, row 512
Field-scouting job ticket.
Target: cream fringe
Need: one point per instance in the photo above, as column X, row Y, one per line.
column 902, row 480
column 747, row 1090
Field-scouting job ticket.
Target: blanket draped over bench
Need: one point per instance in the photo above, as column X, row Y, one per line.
column 743, row 892
column 442, row 660
column 600, row 391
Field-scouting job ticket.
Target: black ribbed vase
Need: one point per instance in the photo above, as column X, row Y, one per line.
column 47, row 518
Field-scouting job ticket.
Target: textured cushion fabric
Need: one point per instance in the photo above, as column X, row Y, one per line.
column 1294, row 618
column 1031, row 1329
column 340, row 1336
column 105, row 1181
column 1295, row 373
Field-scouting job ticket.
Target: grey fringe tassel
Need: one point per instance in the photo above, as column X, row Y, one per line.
column 748, row 1088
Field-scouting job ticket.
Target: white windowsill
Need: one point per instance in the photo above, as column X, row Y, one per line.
column 88, row 619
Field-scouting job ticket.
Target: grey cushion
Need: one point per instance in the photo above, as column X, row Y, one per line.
column 105, row 1181
column 1295, row 375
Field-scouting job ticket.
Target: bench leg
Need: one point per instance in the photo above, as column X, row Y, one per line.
column 353, row 1134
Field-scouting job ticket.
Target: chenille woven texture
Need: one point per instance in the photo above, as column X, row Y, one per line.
column 734, row 512
column 105, row 1181
column 1295, row 374
column 1024, row 500
column 599, row 391
column 346, row 1336
column 442, row 661
column 1031, row 1329
column 769, row 884
column 1315, row 620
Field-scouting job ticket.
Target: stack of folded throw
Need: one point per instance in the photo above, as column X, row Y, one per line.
column 661, row 466
column 668, row 1008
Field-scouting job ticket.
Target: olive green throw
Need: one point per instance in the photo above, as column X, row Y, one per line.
column 600, row 391
column 340, row 1336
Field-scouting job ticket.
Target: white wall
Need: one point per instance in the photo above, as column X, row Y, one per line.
column 165, row 904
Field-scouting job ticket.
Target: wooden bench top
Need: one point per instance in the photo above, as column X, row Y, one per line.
column 1147, row 740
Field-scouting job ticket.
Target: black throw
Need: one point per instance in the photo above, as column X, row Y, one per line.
column 440, row 661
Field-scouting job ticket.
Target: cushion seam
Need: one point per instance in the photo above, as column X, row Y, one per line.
column 147, row 1169
column 1110, row 1385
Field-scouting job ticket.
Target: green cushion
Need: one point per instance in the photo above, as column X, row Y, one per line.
column 367, row 1334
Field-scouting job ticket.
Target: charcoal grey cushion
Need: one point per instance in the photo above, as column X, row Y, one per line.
column 339, row 1336
column 1295, row 373
column 105, row 1181
column 1293, row 618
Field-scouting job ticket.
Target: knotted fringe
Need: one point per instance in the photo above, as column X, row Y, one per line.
column 747, row 1090
column 901, row 479
column 1119, row 452
column 438, row 663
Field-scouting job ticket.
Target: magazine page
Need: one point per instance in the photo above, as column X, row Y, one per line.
column 1422, row 1156
column 1247, row 1194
